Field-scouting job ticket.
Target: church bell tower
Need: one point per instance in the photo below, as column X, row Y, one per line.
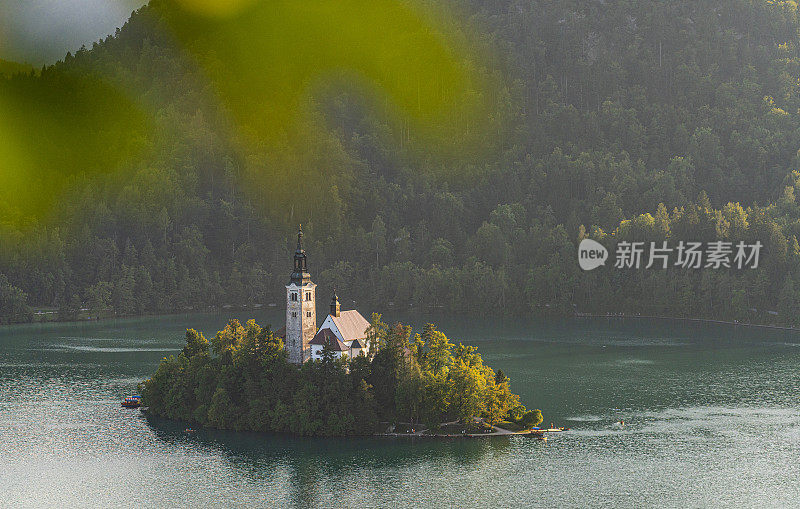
column 301, row 311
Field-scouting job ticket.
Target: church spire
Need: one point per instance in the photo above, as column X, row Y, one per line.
column 335, row 308
column 301, row 308
column 300, row 274
column 300, row 240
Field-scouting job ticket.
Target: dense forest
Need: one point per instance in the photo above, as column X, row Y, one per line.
column 9, row 69
column 241, row 380
column 152, row 190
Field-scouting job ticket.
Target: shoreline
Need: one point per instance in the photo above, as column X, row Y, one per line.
column 223, row 309
column 687, row 319
column 500, row 432
column 154, row 314
column 193, row 427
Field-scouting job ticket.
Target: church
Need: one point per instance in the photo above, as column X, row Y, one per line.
column 344, row 332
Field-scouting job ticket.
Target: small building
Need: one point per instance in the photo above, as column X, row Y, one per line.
column 345, row 332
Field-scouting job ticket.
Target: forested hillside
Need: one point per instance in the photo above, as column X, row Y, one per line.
column 10, row 68
column 618, row 120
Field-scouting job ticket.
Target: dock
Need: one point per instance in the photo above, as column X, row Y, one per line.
column 541, row 433
column 496, row 431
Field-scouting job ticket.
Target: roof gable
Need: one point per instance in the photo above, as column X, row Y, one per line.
column 358, row 343
column 327, row 337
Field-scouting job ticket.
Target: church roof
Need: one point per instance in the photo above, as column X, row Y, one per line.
column 358, row 343
column 351, row 325
column 326, row 336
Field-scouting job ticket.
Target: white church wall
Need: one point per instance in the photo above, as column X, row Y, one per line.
column 329, row 324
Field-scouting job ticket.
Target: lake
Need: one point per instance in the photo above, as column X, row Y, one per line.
column 711, row 417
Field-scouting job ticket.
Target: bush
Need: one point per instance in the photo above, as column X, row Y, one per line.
column 532, row 418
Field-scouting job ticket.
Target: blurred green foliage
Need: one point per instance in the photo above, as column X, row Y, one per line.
column 617, row 120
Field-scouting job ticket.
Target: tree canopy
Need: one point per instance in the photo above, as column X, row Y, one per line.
column 241, row 380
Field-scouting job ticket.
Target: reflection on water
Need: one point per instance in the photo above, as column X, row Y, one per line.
column 711, row 418
column 336, row 455
column 339, row 462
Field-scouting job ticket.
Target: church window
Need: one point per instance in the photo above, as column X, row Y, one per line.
column 294, row 296
column 308, row 295
column 294, row 314
column 308, row 314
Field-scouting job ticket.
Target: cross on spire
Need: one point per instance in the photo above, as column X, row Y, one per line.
column 300, row 274
column 300, row 239
column 335, row 308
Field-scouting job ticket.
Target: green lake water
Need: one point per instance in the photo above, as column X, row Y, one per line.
column 712, row 419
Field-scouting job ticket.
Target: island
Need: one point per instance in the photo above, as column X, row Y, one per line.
column 422, row 384
column 349, row 376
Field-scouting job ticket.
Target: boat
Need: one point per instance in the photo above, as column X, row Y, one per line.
column 132, row 402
